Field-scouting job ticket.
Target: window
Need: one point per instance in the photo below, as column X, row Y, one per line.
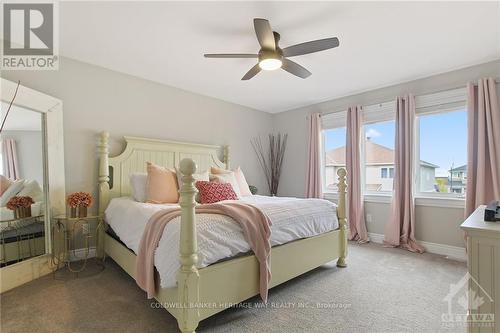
column 379, row 156
column 384, row 173
column 442, row 148
column 334, row 141
column 387, row 173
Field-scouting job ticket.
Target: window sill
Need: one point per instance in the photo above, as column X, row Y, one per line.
column 426, row 201
column 449, row 202
column 378, row 198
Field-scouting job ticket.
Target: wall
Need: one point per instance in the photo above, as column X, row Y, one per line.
column 97, row 99
column 434, row 224
column 29, row 153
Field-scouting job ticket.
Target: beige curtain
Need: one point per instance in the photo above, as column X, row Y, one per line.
column 400, row 230
column 357, row 225
column 314, row 186
column 483, row 149
column 9, row 158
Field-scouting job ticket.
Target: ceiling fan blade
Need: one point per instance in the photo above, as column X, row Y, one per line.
column 231, row 55
column 295, row 69
column 264, row 34
column 310, row 47
column 251, row 73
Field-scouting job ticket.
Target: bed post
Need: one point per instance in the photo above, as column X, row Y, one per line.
column 341, row 214
column 103, row 188
column 188, row 277
column 226, row 157
column 103, row 172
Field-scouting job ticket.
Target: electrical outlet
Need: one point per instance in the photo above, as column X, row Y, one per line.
column 369, row 218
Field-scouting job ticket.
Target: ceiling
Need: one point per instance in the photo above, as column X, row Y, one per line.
column 380, row 44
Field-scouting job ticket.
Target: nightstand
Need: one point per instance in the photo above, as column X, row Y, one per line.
column 72, row 238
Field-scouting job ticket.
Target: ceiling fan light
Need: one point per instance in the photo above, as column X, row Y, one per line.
column 270, row 64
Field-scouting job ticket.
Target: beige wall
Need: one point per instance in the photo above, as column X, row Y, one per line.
column 97, row 99
column 434, row 224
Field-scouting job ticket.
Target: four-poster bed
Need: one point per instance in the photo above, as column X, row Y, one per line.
column 203, row 292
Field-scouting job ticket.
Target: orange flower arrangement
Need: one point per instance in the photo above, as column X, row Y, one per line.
column 19, row 202
column 79, row 199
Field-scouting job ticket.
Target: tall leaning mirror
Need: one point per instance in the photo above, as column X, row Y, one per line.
column 22, row 202
column 31, row 181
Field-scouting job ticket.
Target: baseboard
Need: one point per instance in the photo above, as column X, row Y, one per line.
column 450, row 252
column 79, row 254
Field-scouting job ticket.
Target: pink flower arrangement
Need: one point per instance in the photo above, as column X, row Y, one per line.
column 19, row 202
column 79, row 199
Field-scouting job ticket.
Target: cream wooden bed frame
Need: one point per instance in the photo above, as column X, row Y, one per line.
column 201, row 293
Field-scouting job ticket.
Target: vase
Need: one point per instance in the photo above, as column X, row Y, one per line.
column 82, row 211
column 72, row 212
column 22, row 212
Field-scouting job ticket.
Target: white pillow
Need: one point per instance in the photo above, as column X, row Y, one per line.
column 32, row 189
column 202, row 176
column 138, row 181
column 227, row 178
column 12, row 191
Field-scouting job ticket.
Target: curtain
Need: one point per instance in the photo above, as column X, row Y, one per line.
column 9, row 158
column 314, row 186
column 400, row 230
column 357, row 226
column 483, row 148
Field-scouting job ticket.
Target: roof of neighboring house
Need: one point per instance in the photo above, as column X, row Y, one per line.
column 375, row 155
column 462, row 168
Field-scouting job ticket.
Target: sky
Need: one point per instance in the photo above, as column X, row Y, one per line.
column 443, row 138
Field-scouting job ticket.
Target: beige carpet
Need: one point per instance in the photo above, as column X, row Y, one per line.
column 382, row 290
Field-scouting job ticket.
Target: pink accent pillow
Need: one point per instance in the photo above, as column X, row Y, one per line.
column 4, row 184
column 244, row 189
column 211, row 192
column 242, row 182
column 161, row 185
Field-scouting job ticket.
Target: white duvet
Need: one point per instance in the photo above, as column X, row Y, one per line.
column 219, row 236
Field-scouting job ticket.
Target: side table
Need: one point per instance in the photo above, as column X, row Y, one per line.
column 68, row 228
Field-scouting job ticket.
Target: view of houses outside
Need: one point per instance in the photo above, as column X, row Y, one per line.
column 442, row 167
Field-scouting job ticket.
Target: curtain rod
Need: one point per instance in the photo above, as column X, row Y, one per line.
column 497, row 81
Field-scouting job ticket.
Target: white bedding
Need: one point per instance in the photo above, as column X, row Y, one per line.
column 219, row 236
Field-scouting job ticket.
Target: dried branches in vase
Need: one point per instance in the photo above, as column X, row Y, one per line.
column 271, row 159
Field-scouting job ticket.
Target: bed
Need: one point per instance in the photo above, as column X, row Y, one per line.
column 197, row 292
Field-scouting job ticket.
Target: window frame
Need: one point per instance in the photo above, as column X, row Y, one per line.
column 431, row 195
column 384, row 119
column 330, row 193
column 439, row 102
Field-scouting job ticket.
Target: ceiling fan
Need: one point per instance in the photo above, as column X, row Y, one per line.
column 272, row 57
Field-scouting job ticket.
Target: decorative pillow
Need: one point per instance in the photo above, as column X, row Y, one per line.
column 4, row 183
column 202, row 176
column 161, row 185
column 138, row 182
column 218, row 171
column 211, row 192
column 11, row 191
column 31, row 189
column 242, row 182
column 240, row 179
column 227, row 178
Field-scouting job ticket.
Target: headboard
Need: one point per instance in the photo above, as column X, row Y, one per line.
column 114, row 171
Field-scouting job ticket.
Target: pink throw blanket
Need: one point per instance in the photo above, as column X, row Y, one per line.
column 256, row 230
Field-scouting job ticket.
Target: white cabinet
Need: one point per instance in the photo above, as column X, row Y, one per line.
column 483, row 262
